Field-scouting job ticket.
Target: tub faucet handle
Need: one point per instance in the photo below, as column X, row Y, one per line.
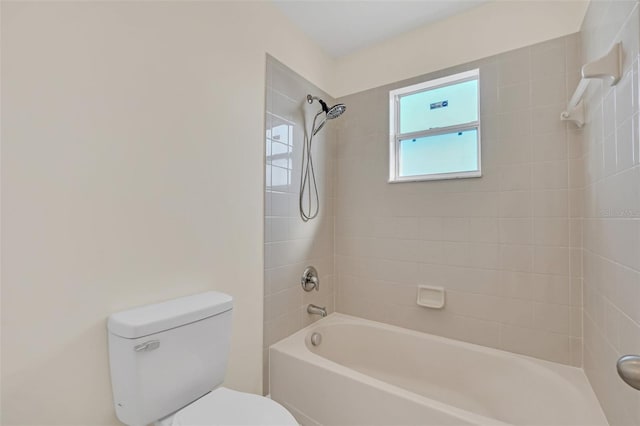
column 310, row 280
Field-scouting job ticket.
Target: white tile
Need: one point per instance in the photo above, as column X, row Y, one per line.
column 432, row 228
column 474, row 305
column 455, row 229
column 281, row 303
column 516, row 258
column 576, row 142
column 518, row 312
column 514, row 97
column 484, row 255
column 515, row 177
column 576, row 173
column 625, row 145
column 516, row 230
column 612, row 324
column 551, row 260
column 542, row 344
column 548, row 62
column 545, row 119
column 551, row 232
column 576, row 321
column 625, row 292
column 550, row 175
column 609, row 112
column 486, row 333
column 575, row 232
column 279, row 229
column 279, row 204
column 550, row 288
column 552, row 317
column 457, row 253
column 432, row 252
column 514, row 67
column 516, row 204
column 576, row 349
column 636, row 138
column 483, row 229
column 624, row 98
column 552, row 203
column 394, row 249
column 629, row 332
column 609, row 155
column 550, row 146
column 548, row 91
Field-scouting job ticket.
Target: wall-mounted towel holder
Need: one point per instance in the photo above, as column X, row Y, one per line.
column 607, row 67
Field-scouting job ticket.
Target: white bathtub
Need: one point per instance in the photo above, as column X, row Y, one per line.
column 369, row 373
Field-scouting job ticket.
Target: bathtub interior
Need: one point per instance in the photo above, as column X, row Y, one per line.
column 487, row 382
column 465, row 376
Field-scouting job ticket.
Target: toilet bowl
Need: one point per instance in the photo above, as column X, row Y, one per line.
column 168, row 362
column 231, row 408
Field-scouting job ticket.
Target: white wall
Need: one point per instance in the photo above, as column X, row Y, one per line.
column 132, row 172
column 492, row 28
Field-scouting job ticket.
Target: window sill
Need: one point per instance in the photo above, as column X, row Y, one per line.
column 441, row 176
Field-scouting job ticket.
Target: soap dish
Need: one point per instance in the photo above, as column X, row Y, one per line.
column 431, row 297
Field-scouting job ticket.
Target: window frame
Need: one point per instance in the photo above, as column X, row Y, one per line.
column 394, row 127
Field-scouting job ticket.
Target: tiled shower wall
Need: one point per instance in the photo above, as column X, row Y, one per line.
column 612, row 210
column 506, row 247
column 290, row 243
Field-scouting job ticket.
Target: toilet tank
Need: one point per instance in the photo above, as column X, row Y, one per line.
column 164, row 356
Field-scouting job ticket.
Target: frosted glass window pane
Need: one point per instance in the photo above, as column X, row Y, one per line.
column 447, row 153
column 441, row 107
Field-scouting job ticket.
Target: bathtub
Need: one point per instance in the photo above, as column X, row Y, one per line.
column 368, row 373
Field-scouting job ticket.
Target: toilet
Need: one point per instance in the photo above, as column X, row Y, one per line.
column 168, row 361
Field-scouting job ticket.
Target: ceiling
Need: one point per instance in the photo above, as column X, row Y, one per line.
column 342, row 27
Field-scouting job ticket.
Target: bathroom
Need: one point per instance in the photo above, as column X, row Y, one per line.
column 154, row 150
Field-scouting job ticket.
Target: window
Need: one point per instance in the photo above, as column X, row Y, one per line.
column 435, row 129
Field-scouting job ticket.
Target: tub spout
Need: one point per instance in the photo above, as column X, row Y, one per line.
column 317, row 310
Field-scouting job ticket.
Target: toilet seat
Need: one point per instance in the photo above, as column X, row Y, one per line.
column 228, row 407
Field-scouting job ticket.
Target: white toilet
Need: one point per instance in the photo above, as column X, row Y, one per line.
column 167, row 361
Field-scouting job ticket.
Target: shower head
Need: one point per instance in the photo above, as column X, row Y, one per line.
column 336, row 111
column 330, row 113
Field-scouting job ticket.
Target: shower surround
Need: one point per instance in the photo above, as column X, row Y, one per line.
column 611, row 158
column 555, row 204
column 290, row 243
column 506, row 246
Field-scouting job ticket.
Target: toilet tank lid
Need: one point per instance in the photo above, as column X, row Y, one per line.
column 150, row 319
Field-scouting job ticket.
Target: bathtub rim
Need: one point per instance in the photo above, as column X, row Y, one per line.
column 337, row 317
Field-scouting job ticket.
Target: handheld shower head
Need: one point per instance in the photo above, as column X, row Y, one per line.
column 308, row 177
